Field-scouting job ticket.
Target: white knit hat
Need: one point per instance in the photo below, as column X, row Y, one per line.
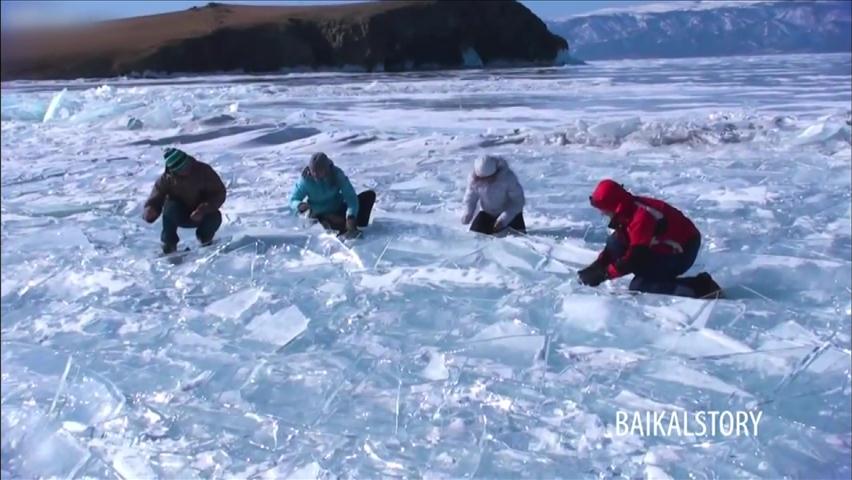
column 485, row 166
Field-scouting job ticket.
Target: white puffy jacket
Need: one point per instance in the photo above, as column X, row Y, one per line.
column 500, row 195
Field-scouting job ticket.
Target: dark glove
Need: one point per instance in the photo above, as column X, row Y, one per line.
column 150, row 214
column 593, row 275
column 197, row 215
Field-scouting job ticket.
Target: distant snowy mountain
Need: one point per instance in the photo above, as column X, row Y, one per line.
column 709, row 28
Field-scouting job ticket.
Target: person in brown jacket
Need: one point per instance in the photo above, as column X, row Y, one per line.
column 189, row 194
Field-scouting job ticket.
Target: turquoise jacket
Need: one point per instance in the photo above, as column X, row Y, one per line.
column 329, row 195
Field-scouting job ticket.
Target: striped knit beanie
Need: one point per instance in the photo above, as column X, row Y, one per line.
column 176, row 160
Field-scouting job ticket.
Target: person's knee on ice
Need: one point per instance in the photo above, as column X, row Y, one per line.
column 324, row 192
column 640, row 284
column 333, row 221
column 185, row 193
column 483, row 223
column 663, row 286
column 366, row 200
column 518, row 224
column 493, row 189
column 651, row 239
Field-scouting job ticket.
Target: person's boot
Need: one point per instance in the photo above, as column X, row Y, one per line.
column 706, row 287
column 169, row 248
column 204, row 241
column 208, row 227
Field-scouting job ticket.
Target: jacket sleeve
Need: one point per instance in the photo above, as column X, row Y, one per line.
column 216, row 194
column 516, row 201
column 640, row 232
column 471, row 198
column 349, row 196
column 158, row 194
column 298, row 195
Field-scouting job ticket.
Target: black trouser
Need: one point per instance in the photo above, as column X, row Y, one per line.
column 366, row 199
column 484, row 223
column 176, row 214
column 660, row 273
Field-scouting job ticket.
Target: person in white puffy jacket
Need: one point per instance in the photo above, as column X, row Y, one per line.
column 496, row 194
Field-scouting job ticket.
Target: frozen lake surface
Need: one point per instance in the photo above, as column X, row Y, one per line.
column 421, row 350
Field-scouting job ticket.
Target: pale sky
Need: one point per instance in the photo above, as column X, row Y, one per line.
column 29, row 12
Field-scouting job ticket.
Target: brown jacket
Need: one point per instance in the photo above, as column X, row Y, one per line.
column 202, row 185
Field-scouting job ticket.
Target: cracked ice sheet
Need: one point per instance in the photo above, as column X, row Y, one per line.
column 279, row 328
column 484, row 356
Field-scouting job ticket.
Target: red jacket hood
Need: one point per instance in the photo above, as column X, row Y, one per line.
column 612, row 197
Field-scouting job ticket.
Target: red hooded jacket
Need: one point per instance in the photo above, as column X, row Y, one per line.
column 644, row 224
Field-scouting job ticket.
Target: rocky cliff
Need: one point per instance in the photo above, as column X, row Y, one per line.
column 374, row 36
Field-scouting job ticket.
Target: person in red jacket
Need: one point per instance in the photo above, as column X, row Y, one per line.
column 652, row 240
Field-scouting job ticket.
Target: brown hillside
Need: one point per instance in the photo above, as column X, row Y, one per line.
column 394, row 35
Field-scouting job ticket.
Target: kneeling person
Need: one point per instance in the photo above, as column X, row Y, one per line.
column 326, row 194
column 652, row 240
column 494, row 189
column 189, row 194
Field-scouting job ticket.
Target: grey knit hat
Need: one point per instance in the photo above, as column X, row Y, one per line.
column 320, row 162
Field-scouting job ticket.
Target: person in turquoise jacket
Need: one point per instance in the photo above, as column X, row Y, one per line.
column 324, row 192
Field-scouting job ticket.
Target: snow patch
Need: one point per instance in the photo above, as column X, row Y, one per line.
column 436, row 369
